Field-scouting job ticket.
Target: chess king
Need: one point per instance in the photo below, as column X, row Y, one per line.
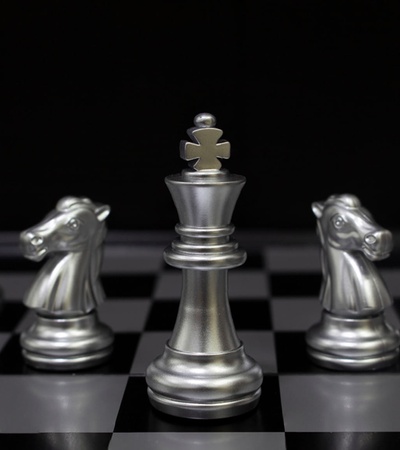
column 204, row 372
column 352, row 333
column 66, row 333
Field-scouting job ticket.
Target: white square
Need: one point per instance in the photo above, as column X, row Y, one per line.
column 60, row 403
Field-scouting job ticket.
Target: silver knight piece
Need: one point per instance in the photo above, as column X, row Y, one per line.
column 67, row 334
column 353, row 333
column 204, row 372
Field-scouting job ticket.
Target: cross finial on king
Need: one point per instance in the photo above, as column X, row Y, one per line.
column 207, row 147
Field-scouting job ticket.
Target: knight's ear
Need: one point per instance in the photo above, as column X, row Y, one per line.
column 317, row 208
column 102, row 212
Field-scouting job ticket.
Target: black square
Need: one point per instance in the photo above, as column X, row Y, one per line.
column 251, row 314
column 291, row 354
column 295, row 284
column 335, row 441
column 254, row 260
column 267, row 416
column 162, row 316
column 128, row 285
column 393, row 261
column 11, row 361
column 10, row 314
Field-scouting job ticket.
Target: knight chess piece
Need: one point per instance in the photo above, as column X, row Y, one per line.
column 66, row 333
column 353, row 333
column 204, row 372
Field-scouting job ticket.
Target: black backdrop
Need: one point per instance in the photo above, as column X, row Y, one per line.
column 95, row 97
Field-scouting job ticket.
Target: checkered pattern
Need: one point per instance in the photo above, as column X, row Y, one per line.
column 274, row 300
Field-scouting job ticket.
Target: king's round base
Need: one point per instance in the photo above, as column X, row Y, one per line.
column 355, row 344
column 64, row 344
column 204, row 386
column 209, row 411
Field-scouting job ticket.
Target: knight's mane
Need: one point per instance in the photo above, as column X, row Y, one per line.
column 68, row 203
column 346, row 200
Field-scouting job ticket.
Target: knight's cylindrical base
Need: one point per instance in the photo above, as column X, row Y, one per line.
column 204, row 386
column 64, row 344
column 355, row 344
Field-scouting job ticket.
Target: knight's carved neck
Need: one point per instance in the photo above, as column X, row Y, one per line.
column 337, row 257
column 68, row 284
column 336, row 262
column 89, row 256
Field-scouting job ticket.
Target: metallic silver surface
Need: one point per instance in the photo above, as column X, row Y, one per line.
column 67, row 334
column 204, row 372
column 353, row 333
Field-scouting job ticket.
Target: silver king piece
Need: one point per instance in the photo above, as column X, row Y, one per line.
column 204, row 372
column 66, row 333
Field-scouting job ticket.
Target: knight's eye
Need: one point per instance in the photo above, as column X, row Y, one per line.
column 37, row 240
column 338, row 221
column 73, row 224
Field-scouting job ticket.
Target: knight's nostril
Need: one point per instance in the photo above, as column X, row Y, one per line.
column 370, row 239
column 36, row 240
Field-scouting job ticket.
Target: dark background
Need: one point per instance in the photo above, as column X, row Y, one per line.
column 95, row 97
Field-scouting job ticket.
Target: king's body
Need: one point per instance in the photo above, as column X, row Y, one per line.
column 204, row 372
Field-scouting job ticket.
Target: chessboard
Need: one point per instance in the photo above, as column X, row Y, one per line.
column 273, row 299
